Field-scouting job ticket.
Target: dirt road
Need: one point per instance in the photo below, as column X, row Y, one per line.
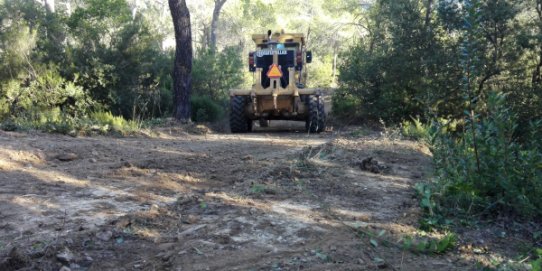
column 276, row 199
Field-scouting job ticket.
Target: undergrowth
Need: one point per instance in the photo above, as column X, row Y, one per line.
column 486, row 170
column 536, row 264
column 413, row 243
column 55, row 121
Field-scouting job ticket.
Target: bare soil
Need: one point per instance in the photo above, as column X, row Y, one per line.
column 185, row 199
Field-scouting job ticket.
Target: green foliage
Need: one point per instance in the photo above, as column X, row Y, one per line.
column 214, row 74
column 416, row 244
column 415, row 129
column 96, row 57
column 118, row 59
column 430, row 245
column 55, row 121
column 346, row 106
column 488, row 169
column 205, row 110
column 412, row 61
column 536, row 265
column 108, row 122
column 384, row 72
column 47, row 96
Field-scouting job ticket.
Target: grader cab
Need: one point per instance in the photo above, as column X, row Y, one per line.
column 279, row 70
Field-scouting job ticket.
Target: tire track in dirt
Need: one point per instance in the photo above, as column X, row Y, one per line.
column 276, row 199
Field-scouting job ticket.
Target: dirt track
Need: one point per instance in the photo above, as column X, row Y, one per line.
column 272, row 200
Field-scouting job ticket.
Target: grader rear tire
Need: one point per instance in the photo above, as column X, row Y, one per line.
column 316, row 119
column 239, row 122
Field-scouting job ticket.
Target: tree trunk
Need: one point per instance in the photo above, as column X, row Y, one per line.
column 182, row 69
column 428, row 11
column 214, row 23
column 537, row 77
column 50, row 6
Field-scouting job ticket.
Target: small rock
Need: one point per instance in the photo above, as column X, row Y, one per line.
column 361, row 261
column 66, row 157
column 104, row 235
column 246, row 158
column 123, row 223
column 64, row 268
column 154, row 208
column 92, row 160
column 65, row 256
column 192, row 219
column 166, row 246
column 127, row 164
column 370, row 164
column 333, row 248
column 223, row 239
column 165, row 256
column 15, row 259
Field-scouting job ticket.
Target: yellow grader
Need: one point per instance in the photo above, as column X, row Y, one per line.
column 278, row 91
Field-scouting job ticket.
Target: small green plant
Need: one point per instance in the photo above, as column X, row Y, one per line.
column 432, row 217
column 536, row 265
column 324, row 257
column 258, row 188
column 109, row 122
column 410, row 243
column 434, row 246
column 415, row 129
column 359, row 132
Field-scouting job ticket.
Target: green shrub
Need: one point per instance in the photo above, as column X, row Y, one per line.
column 346, row 106
column 414, row 129
column 204, row 109
column 107, row 122
column 215, row 73
column 536, row 264
column 488, row 169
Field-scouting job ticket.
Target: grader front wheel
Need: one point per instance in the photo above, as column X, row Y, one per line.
column 239, row 122
column 316, row 119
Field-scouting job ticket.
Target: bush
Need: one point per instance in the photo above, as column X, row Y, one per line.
column 107, row 122
column 488, row 169
column 204, row 109
column 346, row 106
column 215, row 73
column 414, row 129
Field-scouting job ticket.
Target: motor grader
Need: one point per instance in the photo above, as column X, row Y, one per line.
column 278, row 92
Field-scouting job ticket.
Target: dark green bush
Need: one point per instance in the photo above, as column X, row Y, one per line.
column 215, row 73
column 204, row 109
column 488, row 169
column 346, row 106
